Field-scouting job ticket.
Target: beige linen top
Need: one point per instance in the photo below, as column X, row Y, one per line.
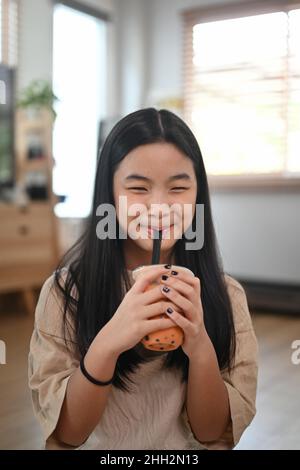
column 153, row 416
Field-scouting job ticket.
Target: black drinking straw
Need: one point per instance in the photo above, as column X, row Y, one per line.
column 156, row 246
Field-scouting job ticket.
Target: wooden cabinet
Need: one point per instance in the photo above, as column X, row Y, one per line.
column 28, row 233
column 28, row 250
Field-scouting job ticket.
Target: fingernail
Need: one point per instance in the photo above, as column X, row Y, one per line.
column 166, row 289
column 169, row 310
column 167, row 266
column 164, row 277
column 174, row 273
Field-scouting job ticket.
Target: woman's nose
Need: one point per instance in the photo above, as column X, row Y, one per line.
column 158, row 197
column 158, row 210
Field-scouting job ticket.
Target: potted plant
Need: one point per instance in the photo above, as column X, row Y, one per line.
column 37, row 95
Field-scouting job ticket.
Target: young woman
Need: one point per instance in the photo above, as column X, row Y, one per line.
column 93, row 385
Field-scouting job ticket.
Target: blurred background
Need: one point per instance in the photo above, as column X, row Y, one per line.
column 231, row 69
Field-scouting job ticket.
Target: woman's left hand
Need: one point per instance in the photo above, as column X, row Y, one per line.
column 185, row 293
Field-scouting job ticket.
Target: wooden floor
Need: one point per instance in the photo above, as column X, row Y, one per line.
column 276, row 425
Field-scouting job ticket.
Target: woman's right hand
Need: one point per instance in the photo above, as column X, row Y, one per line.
column 134, row 317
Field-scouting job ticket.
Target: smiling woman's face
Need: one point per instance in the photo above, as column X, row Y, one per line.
column 155, row 174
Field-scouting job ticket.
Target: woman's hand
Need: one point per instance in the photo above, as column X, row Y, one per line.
column 184, row 292
column 133, row 319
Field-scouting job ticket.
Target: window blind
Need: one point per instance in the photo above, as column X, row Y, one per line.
column 241, row 78
column 9, row 32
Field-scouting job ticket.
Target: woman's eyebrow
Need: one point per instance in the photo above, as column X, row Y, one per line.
column 180, row 176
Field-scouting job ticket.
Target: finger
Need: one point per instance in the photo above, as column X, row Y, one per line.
column 158, row 308
column 150, row 296
column 180, row 286
column 181, row 321
column 185, row 276
column 174, row 296
column 157, row 324
column 147, row 276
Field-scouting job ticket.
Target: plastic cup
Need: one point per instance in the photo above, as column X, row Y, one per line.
column 167, row 339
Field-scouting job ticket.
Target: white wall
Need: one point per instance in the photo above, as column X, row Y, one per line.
column 259, row 234
column 131, row 42
column 35, row 41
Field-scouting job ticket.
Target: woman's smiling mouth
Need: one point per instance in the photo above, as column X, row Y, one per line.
column 151, row 230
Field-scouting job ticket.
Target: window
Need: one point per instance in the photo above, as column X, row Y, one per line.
column 9, row 32
column 79, row 81
column 242, row 87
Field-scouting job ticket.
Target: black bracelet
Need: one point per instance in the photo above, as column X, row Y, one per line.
column 90, row 378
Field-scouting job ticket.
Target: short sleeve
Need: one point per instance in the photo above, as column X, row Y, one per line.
column 51, row 361
column 241, row 382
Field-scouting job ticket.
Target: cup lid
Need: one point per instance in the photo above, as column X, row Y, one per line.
column 140, row 268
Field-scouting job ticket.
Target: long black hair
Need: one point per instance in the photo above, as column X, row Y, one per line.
column 96, row 268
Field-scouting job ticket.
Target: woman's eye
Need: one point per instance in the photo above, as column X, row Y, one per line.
column 179, row 189
column 139, row 189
